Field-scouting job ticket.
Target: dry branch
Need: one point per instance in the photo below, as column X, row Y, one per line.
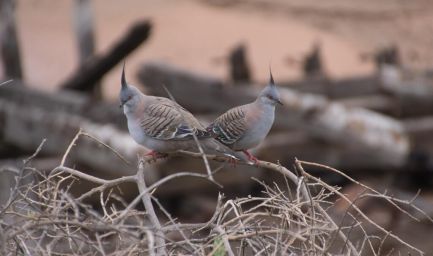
column 298, row 221
column 92, row 71
column 84, row 29
column 9, row 46
column 147, row 202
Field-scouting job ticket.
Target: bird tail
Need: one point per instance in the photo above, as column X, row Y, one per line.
column 212, row 146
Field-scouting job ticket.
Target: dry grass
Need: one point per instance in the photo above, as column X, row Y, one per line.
column 43, row 218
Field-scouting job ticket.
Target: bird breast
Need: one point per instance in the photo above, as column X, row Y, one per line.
column 261, row 124
column 136, row 131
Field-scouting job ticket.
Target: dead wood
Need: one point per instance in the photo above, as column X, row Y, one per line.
column 239, row 66
column 24, row 127
column 94, row 69
column 70, row 102
column 9, row 45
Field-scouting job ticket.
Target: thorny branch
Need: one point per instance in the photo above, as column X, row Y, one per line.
column 43, row 217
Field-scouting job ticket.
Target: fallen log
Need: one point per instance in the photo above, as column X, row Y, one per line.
column 239, row 66
column 289, row 144
column 284, row 147
column 377, row 102
column 9, row 43
column 84, row 29
column 406, row 84
column 193, row 91
column 375, row 134
column 85, row 37
column 70, row 102
column 337, row 89
column 25, row 127
column 413, row 90
column 90, row 72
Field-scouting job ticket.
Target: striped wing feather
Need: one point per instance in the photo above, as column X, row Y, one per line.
column 166, row 121
column 230, row 126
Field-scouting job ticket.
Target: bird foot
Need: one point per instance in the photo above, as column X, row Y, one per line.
column 251, row 158
column 155, row 155
column 233, row 162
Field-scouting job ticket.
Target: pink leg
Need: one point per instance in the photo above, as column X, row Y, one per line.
column 155, row 155
column 233, row 162
column 251, row 157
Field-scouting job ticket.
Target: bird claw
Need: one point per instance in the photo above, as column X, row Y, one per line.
column 254, row 159
column 251, row 158
column 155, row 155
column 233, row 161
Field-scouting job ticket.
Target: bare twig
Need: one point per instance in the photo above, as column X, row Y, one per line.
column 44, row 215
column 197, row 142
column 6, row 82
column 147, row 202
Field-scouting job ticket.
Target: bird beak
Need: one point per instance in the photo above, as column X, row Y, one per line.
column 279, row 102
column 121, row 104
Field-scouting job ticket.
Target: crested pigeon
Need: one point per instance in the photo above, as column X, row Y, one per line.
column 162, row 125
column 244, row 127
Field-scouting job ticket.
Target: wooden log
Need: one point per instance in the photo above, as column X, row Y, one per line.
column 195, row 92
column 365, row 92
column 83, row 25
column 85, row 37
column 337, row 89
column 25, row 127
column 377, row 102
column 406, row 84
column 9, row 45
column 352, row 127
column 284, row 147
column 70, row 102
column 312, row 65
column 413, row 90
column 92, row 71
column 239, row 67
column 312, row 148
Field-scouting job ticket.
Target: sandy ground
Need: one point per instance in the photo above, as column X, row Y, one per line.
column 191, row 34
column 198, row 34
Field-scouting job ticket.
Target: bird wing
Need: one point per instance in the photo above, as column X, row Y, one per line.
column 166, row 120
column 230, row 126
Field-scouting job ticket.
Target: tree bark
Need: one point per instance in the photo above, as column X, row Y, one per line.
column 10, row 51
column 85, row 77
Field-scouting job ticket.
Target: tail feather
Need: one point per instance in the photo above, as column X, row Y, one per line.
column 215, row 147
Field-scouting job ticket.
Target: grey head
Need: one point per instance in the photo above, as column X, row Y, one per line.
column 129, row 96
column 269, row 95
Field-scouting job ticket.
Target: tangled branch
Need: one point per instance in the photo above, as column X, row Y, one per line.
column 43, row 217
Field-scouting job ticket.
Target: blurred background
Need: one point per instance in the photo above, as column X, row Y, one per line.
column 356, row 79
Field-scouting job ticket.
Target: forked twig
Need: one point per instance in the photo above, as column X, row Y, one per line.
column 197, row 142
column 277, row 222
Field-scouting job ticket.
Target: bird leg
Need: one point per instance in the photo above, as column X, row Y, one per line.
column 155, row 155
column 232, row 161
column 251, row 157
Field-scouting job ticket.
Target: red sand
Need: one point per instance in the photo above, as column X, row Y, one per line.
column 190, row 34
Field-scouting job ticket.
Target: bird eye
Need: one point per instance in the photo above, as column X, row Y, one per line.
column 130, row 97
